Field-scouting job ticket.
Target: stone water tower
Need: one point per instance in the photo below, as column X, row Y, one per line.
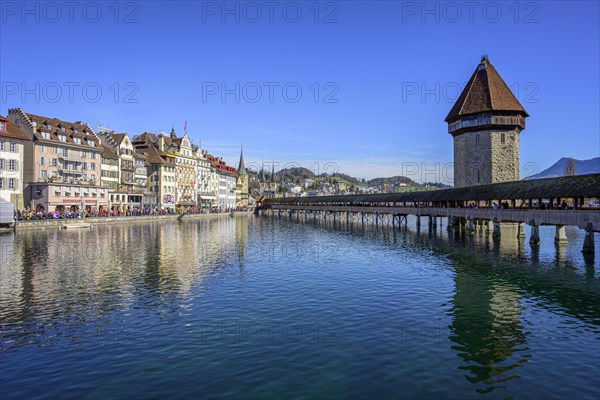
column 485, row 122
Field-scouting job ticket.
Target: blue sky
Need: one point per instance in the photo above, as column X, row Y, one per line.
column 350, row 86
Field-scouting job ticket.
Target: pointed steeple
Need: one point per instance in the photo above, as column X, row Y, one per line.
column 262, row 173
column 173, row 135
column 241, row 166
column 273, row 173
column 486, row 91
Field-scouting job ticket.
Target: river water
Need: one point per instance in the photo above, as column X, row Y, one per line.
column 258, row 307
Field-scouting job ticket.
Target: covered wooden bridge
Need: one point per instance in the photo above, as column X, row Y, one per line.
column 569, row 200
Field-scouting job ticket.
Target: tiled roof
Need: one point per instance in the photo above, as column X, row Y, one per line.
column 486, row 91
column 56, row 127
column 108, row 153
column 12, row 131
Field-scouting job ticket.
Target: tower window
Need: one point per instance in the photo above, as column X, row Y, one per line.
column 477, row 139
column 502, row 137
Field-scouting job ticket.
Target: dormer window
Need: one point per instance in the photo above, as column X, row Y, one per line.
column 62, row 128
column 62, row 138
column 46, row 135
column 77, row 140
column 2, row 126
column 75, row 130
column 92, row 143
column 49, row 126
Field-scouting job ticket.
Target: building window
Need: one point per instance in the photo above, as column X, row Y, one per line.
column 42, row 161
column 1, row 164
column 12, row 183
column 54, row 162
column 44, row 149
column 11, row 147
column 12, row 165
column 62, row 138
column 1, row 145
column 77, row 140
column 477, row 139
column 2, row 126
column 46, row 135
column 1, row 183
column 502, row 137
column 93, row 156
column 92, row 143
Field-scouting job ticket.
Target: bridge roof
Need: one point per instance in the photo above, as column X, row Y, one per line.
column 566, row 186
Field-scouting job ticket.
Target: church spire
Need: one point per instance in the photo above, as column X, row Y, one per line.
column 241, row 166
column 173, row 136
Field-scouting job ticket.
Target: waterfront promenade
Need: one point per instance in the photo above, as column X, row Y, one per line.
column 58, row 223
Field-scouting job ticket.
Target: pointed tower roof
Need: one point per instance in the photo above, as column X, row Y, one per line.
column 273, row 173
column 173, row 135
column 241, row 167
column 262, row 173
column 486, row 91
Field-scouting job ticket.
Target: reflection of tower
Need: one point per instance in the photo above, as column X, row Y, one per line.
column 486, row 328
column 241, row 238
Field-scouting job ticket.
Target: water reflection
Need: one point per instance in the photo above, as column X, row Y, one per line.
column 68, row 278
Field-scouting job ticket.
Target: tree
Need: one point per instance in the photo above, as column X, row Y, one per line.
column 570, row 167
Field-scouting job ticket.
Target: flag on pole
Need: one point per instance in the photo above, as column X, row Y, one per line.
column 185, row 127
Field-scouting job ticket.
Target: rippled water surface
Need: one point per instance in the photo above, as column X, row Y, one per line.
column 250, row 307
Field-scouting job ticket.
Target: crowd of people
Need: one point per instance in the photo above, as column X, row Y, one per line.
column 30, row 215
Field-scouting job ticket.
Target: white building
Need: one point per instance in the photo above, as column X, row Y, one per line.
column 12, row 141
column 205, row 187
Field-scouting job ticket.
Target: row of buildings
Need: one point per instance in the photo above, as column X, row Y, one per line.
column 48, row 164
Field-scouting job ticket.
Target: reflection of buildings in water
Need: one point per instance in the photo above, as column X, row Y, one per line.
column 241, row 237
column 487, row 330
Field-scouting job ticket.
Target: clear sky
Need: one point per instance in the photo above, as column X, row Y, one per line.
column 351, row 86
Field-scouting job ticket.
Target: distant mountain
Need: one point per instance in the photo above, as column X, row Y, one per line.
column 583, row 167
column 297, row 172
column 390, row 181
column 349, row 178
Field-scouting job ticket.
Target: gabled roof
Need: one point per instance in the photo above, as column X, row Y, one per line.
column 486, row 91
column 118, row 137
column 12, row 131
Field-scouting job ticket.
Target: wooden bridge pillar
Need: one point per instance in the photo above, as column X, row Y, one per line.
column 588, row 241
column 534, row 240
column 496, row 233
column 418, row 222
column 450, row 224
column 560, row 237
column 469, row 225
column 521, row 230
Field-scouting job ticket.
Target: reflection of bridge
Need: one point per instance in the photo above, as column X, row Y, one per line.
column 523, row 202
